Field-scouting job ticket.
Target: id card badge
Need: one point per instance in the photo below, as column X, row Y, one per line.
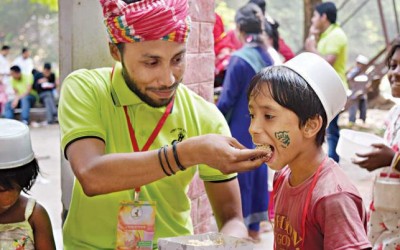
column 136, row 225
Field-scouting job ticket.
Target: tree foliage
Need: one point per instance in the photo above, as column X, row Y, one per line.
column 363, row 27
column 33, row 25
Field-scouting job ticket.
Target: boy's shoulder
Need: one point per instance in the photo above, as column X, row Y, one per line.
column 333, row 180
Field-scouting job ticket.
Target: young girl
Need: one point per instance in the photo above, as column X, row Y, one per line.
column 243, row 65
column 384, row 232
column 24, row 224
column 316, row 206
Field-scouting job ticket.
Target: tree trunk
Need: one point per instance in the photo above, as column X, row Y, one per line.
column 308, row 13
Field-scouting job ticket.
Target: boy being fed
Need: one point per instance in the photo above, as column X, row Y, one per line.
column 316, row 206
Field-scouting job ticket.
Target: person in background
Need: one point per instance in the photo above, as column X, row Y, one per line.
column 135, row 132
column 332, row 45
column 44, row 83
column 243, row 65
column 24, row 223
column 222, row 49
column 4, row 65
column 277, row 41
column 358, row 82
column 4, row 77
column 384, row 232
column 316, row 206
column 22, row 85
column 24, row 61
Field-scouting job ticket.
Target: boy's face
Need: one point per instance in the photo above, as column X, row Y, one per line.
column 275, row 126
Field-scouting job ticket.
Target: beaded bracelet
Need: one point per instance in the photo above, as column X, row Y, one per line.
column 166, row 158
column 180, row 166
column 162, row 165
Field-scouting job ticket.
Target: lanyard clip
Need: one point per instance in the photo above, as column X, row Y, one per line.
column 136, row 196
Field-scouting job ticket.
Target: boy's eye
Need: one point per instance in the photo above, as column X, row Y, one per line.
column 269, row 117
column 251, row 116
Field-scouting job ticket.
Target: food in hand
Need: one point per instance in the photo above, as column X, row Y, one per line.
column 268, row 148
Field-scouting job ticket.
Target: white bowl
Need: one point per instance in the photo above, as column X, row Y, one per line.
column 15, row 144
column 352, row 142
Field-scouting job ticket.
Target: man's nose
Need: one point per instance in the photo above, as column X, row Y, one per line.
column 167, row 77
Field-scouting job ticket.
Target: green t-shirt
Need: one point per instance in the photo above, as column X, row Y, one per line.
column 91, row 106
column 22, row 84
column 333, row 41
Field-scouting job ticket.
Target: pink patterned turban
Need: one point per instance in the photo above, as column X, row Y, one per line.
column 146, row 20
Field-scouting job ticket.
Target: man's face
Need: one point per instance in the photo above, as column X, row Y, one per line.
column 26, row 54
column 6, row 52
column 46, row 72
column 15, row 75
column 153, row 69
column 317, row 21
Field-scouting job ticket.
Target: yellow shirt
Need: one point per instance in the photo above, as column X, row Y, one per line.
column 333, row 41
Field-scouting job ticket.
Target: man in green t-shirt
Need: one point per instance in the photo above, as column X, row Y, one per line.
column 22, row 85
column 115, row 121
column 331, row 45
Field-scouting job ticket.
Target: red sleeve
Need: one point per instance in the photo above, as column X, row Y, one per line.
column 284, row 50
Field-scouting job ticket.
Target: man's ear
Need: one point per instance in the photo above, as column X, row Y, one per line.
column 114, row 51
column 312, row 126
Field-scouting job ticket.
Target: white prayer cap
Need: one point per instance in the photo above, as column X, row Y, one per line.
column 15, row 144
column 323, row 79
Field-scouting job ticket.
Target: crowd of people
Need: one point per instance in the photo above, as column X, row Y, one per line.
column 258, row 149
column 22, row 86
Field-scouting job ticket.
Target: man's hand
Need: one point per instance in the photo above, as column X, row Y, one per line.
column 381, row 156
column 310, row 44
column 221, row 152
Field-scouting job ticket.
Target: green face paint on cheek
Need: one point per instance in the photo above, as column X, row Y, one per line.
column 283, row 137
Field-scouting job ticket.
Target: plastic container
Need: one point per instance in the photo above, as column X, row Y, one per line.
column 385, row 194
column 207, row 241
column 352, row 142
column 15, row 144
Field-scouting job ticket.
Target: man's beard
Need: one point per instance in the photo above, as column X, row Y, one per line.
column 133, row 87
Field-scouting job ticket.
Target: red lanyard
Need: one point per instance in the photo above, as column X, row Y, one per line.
column 277, row 184
column 155, row 131
column 153, row 135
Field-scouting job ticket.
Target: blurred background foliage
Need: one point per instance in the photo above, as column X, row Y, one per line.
column 34, row 24
column 363, row 28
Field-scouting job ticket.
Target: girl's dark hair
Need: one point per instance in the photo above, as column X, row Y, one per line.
column 290, row 91
column 272, row 31
column 24, row 176
column 395, row 45
column 250, row 21
column 261, row 3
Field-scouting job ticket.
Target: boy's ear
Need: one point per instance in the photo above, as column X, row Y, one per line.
column 114, row 52
column 312, row 126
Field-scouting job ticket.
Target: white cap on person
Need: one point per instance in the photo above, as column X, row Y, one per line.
column 323, row 79
column 15, row 144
